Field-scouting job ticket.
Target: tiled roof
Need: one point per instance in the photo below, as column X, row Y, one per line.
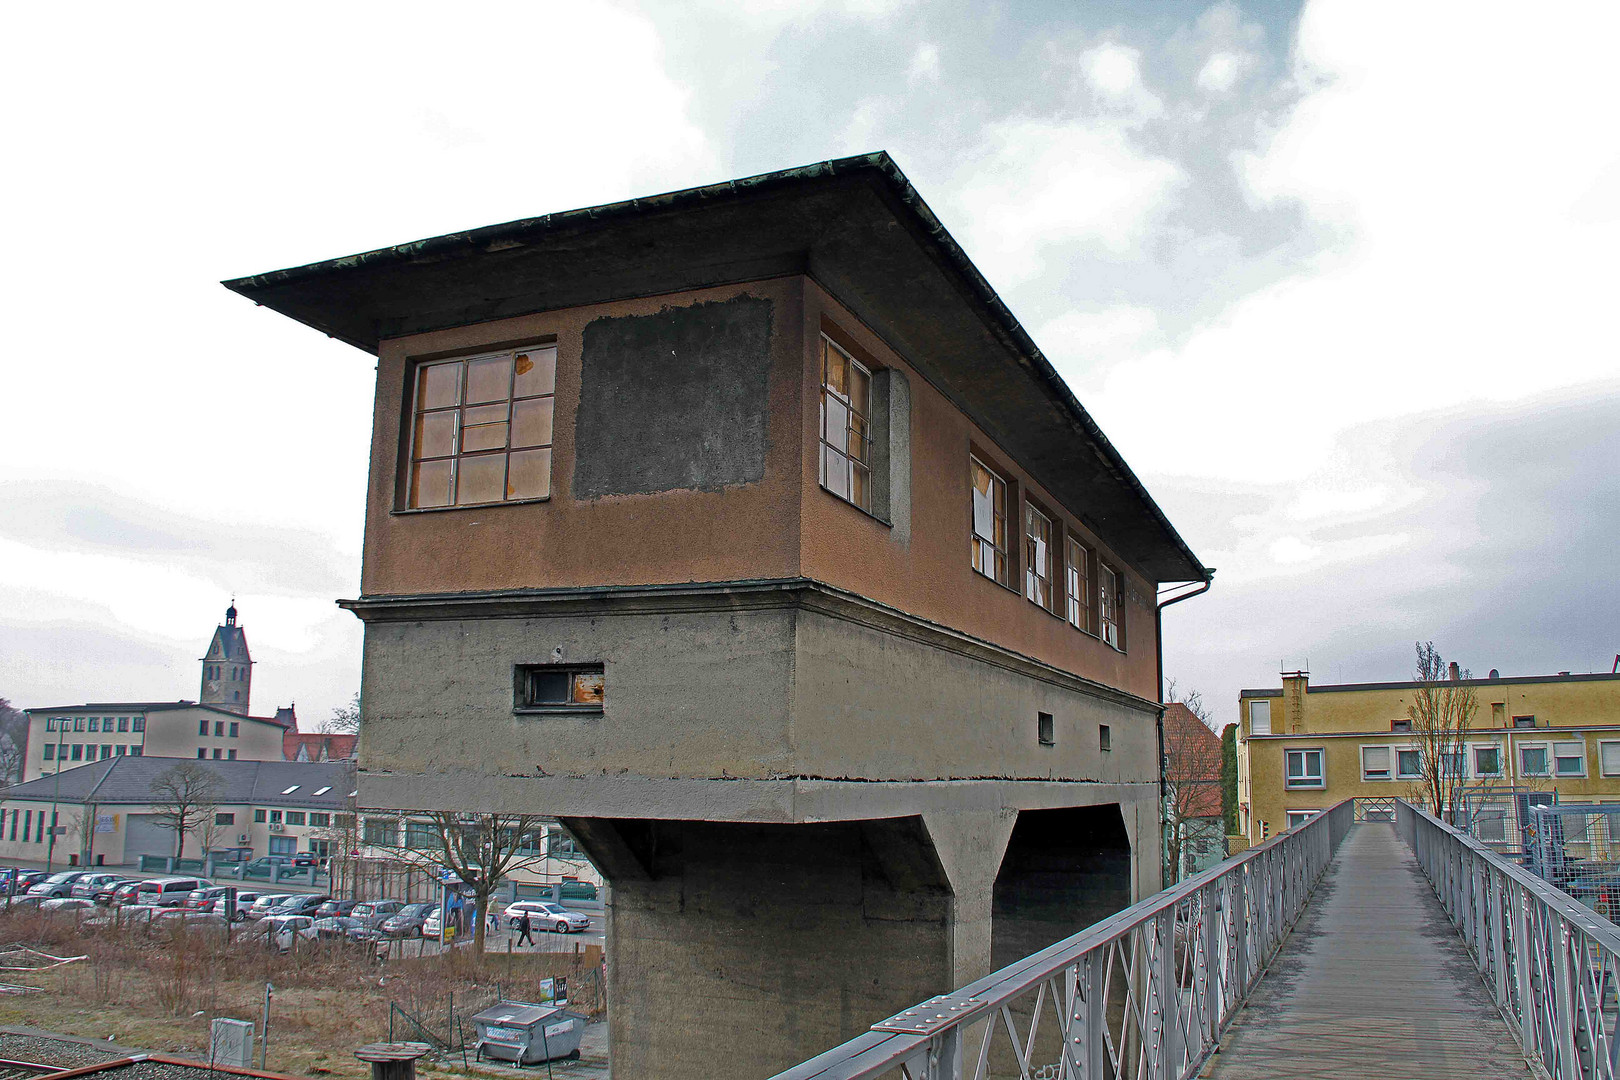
column 262, row 783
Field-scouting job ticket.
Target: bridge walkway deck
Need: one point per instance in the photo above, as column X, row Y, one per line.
column 1373, row 983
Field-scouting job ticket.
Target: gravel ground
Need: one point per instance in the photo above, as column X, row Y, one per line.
column 44, row 1048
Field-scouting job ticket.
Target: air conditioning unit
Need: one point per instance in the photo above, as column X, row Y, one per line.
column 241, row 838
column 277, row 827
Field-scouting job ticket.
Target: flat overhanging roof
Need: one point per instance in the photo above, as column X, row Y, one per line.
column 855, row 225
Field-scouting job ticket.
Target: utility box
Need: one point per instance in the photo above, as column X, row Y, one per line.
column 528, row 1034
column 230, row 1043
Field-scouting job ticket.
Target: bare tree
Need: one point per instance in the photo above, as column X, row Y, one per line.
column 479, row 849
column 1441, row 713
column 183, row 797
column 346, row 718
column 1192, row 773
column 13, row 743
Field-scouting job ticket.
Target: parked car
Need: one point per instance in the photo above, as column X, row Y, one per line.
column 264, row 903
column 244, row 901
column 168, row 891
column 376, row 912
column 345, row 928
column 407, row 922
column 28, row 878
column 335, row 907
column 570, row 889
column 107, row 892
column 433, row 925
column 300, row 904
column 544, row 915
column 59, row 884
column 203, row 899
column 279, row 929
column 173, row 918
column 85, row 888
column 57, row 903
column 123, row 893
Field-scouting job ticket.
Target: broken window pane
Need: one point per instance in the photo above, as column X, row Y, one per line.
column 531, row 422
column 438, row 385
column 535, row 372
column 835, row 467
column 588, row 688
column 530, row 474
column 430, row 483
column 480, row 479
column 489, row 379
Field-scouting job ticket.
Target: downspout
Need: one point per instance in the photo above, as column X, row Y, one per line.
column 1164, row 785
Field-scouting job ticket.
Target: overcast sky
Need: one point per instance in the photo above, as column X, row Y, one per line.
column 1338, row 279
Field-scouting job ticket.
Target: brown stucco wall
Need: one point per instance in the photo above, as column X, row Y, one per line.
column 749, row 531
column 930, row 573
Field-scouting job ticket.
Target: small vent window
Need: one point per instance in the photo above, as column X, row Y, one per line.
column 1105, row 737
column 560, row 686
column 1043, row 729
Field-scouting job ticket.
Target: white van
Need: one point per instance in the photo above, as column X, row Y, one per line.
column 167, row 891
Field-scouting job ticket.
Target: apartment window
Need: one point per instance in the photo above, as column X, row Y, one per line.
column 218, row 754
column 380, row 831
column 138, row 723
column 134, row 751
column 560, row 686
column 224, row 819
column 1044, row 733
column 50, row 751
column 1260, row 717
column 989, row 521
column 295, row 817
column 123, row 723
column 560, row 843
column 320, row 820
column 78, row 723
column 846, row 426
column 1487, row 761
column 121, row 751
column 1110, row 604
column 1298, row 817
column 1304, row 768
column 201, row 752
column 1569, row 759
column 1453, row 763
column 1609, row 758
column 275, row 817
column 1037, row 557
column 1375, row 763
column 1105, row 737
column 106, row 751
column 1400, row 725
column 1533, row 760
column 78, row 751
column 230, row 755
column 421, row 834
column 1078, row 571
column 1524, row 721
column 50, row 723
column 236, row 729
column 481, row 429
column 259, row 816
column 202, row 727
column 219, row 728
column 95, row 723
column 28, row 824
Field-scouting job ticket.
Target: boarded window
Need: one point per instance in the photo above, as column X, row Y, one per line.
column 481, row 429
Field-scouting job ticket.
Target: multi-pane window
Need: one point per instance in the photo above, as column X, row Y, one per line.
column 846, row 426
column 380, row 830
column 1533, row 760
column 78, row 751
column 202, row 727
column 1110, row 606
column 50, row 751
column 481, row 429
column 1298, row 817
column 1304, row 768
column 95, row 723
column 123, row 723
column 421, row 835
column 1569, row 759
column 548, row 686
column 1487, row 761
column 1079, row 574
column 320, row 820
column 1037, row 557
column 1375, row 763
column 259, row 815
column 989, row 521
column 295, row 817
column 236, row 728
column 139, row 723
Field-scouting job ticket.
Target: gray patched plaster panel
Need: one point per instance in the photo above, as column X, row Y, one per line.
column 674, row 401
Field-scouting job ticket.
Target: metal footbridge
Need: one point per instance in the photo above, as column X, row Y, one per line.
column 1370, row 941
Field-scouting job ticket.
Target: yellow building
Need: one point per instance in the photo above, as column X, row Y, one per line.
column 1303, row 748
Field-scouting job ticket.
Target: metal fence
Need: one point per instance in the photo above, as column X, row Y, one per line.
column 1144, row 994
column 1552, row 964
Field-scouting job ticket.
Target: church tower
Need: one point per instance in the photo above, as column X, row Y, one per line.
column 227, row 669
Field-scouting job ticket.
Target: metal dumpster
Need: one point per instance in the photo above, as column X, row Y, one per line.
column 526, row 1034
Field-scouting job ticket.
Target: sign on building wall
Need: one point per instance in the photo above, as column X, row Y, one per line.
column 106, row 823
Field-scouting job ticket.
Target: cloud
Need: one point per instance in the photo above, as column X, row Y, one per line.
column 1114, row 71
column 924, row 63
column 1221, row 72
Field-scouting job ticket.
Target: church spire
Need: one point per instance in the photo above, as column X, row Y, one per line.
column 227, row 669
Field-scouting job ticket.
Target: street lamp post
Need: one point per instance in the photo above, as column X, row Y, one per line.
column 50, row 849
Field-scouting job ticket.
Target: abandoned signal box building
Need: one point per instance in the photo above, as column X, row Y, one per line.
column 744, row 530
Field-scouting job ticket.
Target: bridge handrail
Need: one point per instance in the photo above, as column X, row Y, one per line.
column 1235, row 914
column 1551, row 963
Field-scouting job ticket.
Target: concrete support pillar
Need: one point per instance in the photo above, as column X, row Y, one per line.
column 970, row 846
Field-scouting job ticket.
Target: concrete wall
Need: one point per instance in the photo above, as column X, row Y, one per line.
column 781, row 691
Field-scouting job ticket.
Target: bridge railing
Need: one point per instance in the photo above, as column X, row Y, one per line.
column 1552, row 963
column 1144, row 994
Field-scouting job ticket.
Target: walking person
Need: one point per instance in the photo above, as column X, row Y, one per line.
column 523, row 929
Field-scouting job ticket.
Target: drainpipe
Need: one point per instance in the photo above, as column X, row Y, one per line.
column 1164, row 786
